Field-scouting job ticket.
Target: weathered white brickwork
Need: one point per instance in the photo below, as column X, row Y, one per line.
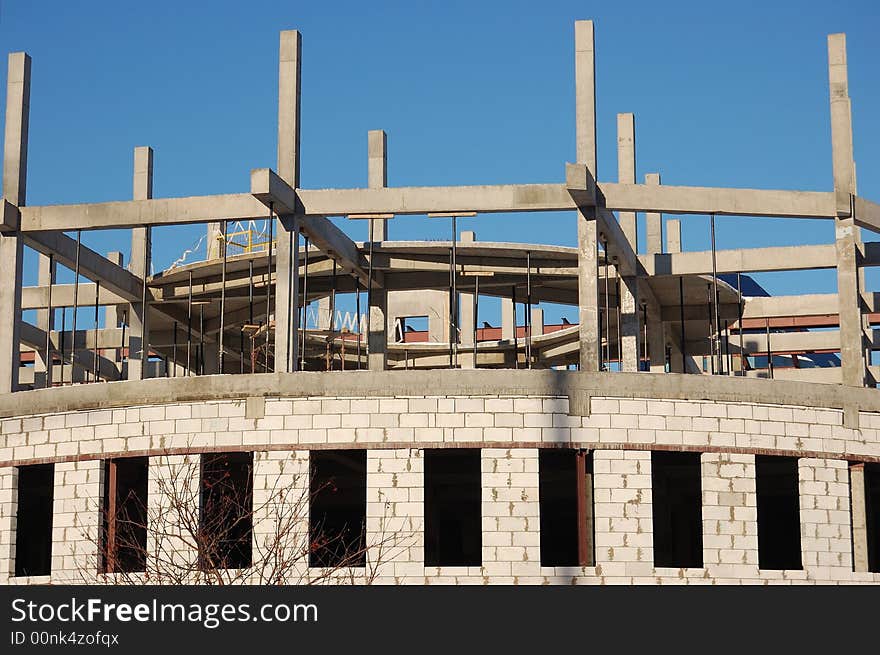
column 76, row 521
column 730, row 515
column 826, row 538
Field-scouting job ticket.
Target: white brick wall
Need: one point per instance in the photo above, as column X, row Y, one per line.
column 623, row 514
column 730, row 516
column 170, row 559
column 395, row 516
column 8, row 510
column 826, row 538
column 76, row 521
column 511, row 515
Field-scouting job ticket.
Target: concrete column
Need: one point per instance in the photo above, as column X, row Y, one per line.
column 626, row 171
column 656, row 335
column 215, row 242
column 859, row 516
column 508, row 325
column 45, row 321
column 287, row 250
column 852, row 351
column 537, row 322
column 377, row 178
column 18, row 91
column 630, row 323
column 653, row 223
column 466, row 318
column 585, row 139
column 673, row 235
column 115, row 315
column 141, row 254
column 377, row 174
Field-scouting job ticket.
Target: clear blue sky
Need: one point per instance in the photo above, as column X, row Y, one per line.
column 725, row 94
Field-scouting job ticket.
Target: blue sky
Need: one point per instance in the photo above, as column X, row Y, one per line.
column 725, row 94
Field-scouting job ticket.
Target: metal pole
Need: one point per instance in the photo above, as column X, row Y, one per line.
column 145, row 349
column 715, row 296
column 61, row 342
column 607, row 358
column 711, row 339
column 619, row 338
column 122, row 343
column 49, row 324
column 251, row 307
column 201, row 339
column 515, row 339
column 370, row 292
column 528, row 316
column 357, row 313
column 189, row 320
column 290, row 364
column 681, row 322
column 769, row 351
column 174, row 351
column 739, row 321
column 646, row 357
column 269, row 277
column 75, row 307
column 221, row 351
column 332, row 316
column 476, row 308
column 305, row 309
column 454, row 315
column 97, row 310
column 451, row 324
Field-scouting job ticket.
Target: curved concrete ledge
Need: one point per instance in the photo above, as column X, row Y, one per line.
column 578, row 386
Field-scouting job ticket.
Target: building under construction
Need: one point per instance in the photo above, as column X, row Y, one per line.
column 687, row 427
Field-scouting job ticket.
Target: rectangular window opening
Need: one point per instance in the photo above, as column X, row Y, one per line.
column 565, row 496
column 453, row 507
column 676, row 490
column 226, row 511
column 33, row 538
column 872, row 514
column 338, row 508
column 779, row 522
column 124, row 517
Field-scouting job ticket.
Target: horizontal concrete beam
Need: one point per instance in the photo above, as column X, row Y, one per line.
column 62, row 296
column 710, row 200
column 382, row 384
column 138, row 213
column 10, row 217
column 819, row 304
column 91, row 265
column 787, row 342
column 746, row 260
column 36, row 338
column 867, row 214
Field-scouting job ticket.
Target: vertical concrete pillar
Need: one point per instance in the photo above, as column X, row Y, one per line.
column 18, row 91
column 673, row 235
column 653, row 223
column 508, row 325
column 287, row 250
column 215, row 242
column 852, row 352
column 626, row 171
column 585, row 139
column 858, row 510
column 115, row 314
column 537, row 322
column 141, row 254
column 46, row 269
column 377, row 178
column 466, row 318
column 656, row 333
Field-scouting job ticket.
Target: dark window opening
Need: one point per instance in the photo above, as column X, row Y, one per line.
column 676, row 490
column 226, row 512
column 124, row 545
column 872, row 513
column 33, row 538
column 565, row 495
column 779, row 521
column 453, row 507
column 338, row 508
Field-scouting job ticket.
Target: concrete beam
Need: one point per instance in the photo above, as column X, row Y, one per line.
column 268, row 188
column 34, row 337
column 789, row 306
column 747, row 260
column 62, row 296
column 709, row 200
column 91, row 264
column 10, row 216
column 867, row 214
